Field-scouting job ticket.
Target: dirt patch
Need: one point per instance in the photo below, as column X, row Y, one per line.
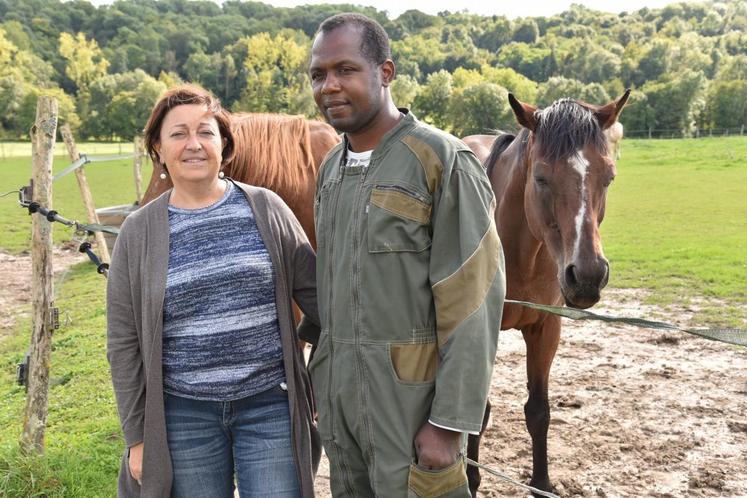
column 15, row 283
column 635, row 412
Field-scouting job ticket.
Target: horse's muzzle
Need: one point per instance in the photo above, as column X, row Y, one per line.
column 582, row 284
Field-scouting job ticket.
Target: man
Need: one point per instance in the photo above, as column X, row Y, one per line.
column 410, row 281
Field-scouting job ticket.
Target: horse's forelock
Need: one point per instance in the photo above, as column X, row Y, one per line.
column 564, row 128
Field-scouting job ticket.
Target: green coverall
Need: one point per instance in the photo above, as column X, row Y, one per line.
column 411, row 285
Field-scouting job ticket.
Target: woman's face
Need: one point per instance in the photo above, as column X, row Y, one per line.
column 190, row 145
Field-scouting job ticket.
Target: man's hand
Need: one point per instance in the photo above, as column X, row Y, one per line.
column 436, row 448
column 136, row 462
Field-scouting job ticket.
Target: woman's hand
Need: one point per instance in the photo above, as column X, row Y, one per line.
column 136, row 462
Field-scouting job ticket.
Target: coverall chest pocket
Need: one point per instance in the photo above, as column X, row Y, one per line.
column 398, row 219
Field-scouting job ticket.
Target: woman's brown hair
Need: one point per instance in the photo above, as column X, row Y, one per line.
column 187, row 95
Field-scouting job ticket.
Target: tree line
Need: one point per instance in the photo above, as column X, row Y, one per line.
column 107, row 65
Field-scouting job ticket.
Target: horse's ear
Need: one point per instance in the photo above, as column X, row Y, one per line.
column 607, row 114
column 524, row 112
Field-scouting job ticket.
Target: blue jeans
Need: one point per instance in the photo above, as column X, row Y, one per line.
column 210, row 440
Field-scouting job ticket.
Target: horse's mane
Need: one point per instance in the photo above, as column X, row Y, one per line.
column 499, row 145
column 268, row 151
column 565, row 127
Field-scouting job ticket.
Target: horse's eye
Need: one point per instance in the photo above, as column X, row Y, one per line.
column 541, row 181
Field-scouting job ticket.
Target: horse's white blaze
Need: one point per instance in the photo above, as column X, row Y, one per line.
column 579, row 163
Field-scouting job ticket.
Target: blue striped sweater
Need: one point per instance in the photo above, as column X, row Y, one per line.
column 221, row 337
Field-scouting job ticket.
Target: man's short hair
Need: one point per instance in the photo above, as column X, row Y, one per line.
column 374, row 40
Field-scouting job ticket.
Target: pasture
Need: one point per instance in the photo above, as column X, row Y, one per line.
column 23, row 149
column 111, row 183
column 676, row 237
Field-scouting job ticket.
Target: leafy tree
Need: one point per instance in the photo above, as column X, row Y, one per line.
column 614, row 87
column 531, row 61
column 413, row 21
column 13, row 89
column 460, row 50
column 558, row 87
column 169, row 79
column 639, row 116
column 432, row 102
column 733, row 68
column 712, row 25
column 727, row 104
column 140, row 48
column 66, row 107
column 733, row 43
column 655, row 61
column 676, row 102
column 276, row 76
column 120, row 104
column 21, row 74
column 424, row 50
column 526, row 31
column 404, row 90
column 594, row 93
column 85, row 61
column 15, row 33
column 693, row 52
column 480, row 108
column 522, row 87
column 216, row 72
column 495, row 34
column 462, row 78
column 588, row 62
column 129, row 109
column 649, row 49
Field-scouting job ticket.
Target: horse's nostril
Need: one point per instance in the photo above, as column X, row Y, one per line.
column 570, row 275
column 606, row 274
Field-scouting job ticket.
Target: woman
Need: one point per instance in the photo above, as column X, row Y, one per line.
column 210, row 385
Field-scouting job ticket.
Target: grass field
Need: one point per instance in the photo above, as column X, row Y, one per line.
column 676, row 224
column 23, row 149
column 111, row 183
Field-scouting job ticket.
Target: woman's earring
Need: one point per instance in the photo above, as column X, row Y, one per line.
column 162, row 175
column 221, row 174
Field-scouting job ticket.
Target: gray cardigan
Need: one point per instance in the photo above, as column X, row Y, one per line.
column 135, row 292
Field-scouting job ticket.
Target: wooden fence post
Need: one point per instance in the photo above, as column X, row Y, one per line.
column 137, row 165
column 85, row 191
column 35, row 413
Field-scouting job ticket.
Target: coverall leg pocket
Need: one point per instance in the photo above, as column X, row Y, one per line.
column 450, row 482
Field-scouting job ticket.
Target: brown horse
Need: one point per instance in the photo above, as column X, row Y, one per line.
column 550, row 183
column 275, row 151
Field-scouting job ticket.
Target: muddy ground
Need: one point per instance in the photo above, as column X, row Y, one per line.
column 15, row 282
column 635, row 412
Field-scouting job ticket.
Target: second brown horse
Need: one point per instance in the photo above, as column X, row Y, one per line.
column 550, row 183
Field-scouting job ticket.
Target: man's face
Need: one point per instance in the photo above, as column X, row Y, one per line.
column 347, row 87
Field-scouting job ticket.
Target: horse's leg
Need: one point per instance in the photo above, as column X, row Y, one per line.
column 473, row 453
column 542, row 342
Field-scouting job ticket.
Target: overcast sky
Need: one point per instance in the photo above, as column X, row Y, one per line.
column 485, row 7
